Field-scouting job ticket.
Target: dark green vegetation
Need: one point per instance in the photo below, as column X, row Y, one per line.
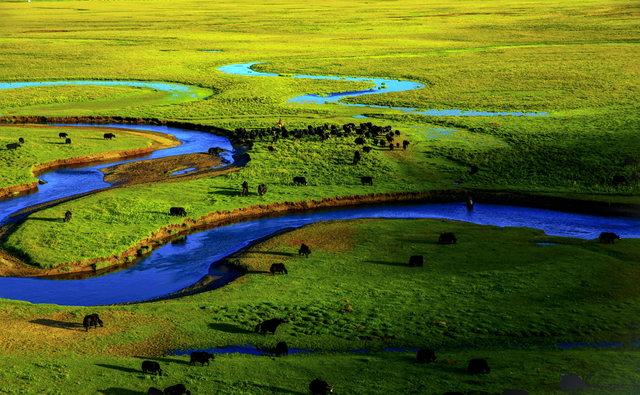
column 576, row 60
column 494, row 286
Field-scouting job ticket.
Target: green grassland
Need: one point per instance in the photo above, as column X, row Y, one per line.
column 494, row 286
column 43, row 145
column 576, row 60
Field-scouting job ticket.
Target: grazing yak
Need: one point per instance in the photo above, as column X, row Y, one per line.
column 151, row 367
column 21, row 140
column 177, row 211
column 571, row 382
column 262, row 189
column 405, row 144
column 366, row 181
column 270, row 148
column 426, row 355
column 469, row 203
column 447, row 237
column 474, row 170
column 360, row 141
column 629, row 162
column 356, row 157
column 391, row 146
column 201, row 356
column 606, row 237
column 178, row 389
column 299, row 181
column 382, row 143
column 63, row 135
column 318, row 386
column 479, row 365
column 278, row 268
column 67, row 216
column 67, row 141
column 269, row 326
column 154, row 391
column 620, row 180
column 90, row 320
column 245, row 188
column 13, row 146
column 282, row 349
column 416, row 260
column 304, row 250
column 108, row 136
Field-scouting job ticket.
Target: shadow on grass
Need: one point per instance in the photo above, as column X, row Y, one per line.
column 58, row 324
column 229, row 328
column 405, row 264
column 278, row 390
column 164, row 360
column 120, row 368
column 118, row 391
column 46, row 219
column 273, row 253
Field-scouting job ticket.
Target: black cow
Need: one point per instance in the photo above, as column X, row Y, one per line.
column 304, row 250
column 426, row 355
column 299, row 181
column 245, row 188
column 154, row 391
column 282, row 349
column 67, row 141
column 67, row 216
column 318, row 386
column 63, row 135
column 366, row 181
column 469, row 203
column 474, row 170
column 151, row 367
column 270, row 148
column 405, row 144
column 391, row 146
column 479, row 366
column 269, row 326
column 108, row 136
column 356, row 157
column 21, row 140
column 627, row 162
column 278, row 268
column 366, row 150
column 91, row 319
column 262, row 189
column 515, row 392
column 360, row 141
column 177, row 211
column 178, row 389
column 606, row 237
column 13, row 146
column 447, row 238
column 416, row 260
column 201, row 356
column 571, row 382
column 620, row 180
column 382, row 143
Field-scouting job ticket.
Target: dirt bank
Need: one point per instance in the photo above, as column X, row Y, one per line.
column 159, row 141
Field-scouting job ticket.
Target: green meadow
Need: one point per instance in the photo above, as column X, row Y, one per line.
column 577, row 61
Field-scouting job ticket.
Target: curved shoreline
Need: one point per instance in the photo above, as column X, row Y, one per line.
column 159, row 141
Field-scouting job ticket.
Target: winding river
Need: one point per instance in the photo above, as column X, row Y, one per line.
column 166, row 270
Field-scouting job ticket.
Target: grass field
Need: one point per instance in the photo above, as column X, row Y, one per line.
column 576, row 60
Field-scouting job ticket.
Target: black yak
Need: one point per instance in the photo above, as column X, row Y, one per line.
column 269, row 326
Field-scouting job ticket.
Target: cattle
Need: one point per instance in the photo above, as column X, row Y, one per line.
column 382, row 143
column 474, row 170
column 178, row 389
column 318, row 386
column 447, row 238
column 270, row 148
column 571, row 382
column 262, row 189
column 63, row 135
column 426, row 355
column 304, row 250
column 479, row 366
column 154, row 391
column 215, row 151
column 13, row 146
column 389, row 137
column 391, row 146
column 299, row 181
column 67, row 216
column 635, row 177
column 366, row 181
column 356, row 157
column 397, row 145
column 245, row 188
column 90, row 320
column 67, row 141
column 620, row 180
column 515, row 392
column 201, row 356
column 151, row 367
column 469, row 203
column 282, row 349
column 278, row 268
column 397, row 133
column 269, row 326
column 416, row 260
column 21, row 140
column 629, row 162
column 405, row 144
column 275, row 139
column 359, row 141
column 175, row 211
column 366, row 150
column 108, row 136
column 606, row 237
